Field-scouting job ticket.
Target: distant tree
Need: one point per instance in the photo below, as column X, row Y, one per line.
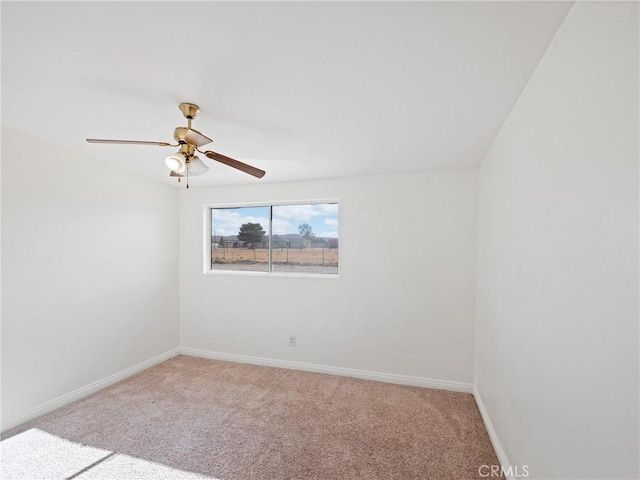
column 221, row 242
column 306, row 231
column 251, row 233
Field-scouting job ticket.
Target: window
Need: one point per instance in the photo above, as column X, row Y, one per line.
column 282, row 238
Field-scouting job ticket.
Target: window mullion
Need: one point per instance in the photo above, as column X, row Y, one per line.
column 270, row 237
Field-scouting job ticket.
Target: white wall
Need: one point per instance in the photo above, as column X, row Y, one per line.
column 557, row 315
column 403, row 309
column 89, row 272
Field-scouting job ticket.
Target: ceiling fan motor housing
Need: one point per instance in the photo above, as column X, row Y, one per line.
column 180, row 134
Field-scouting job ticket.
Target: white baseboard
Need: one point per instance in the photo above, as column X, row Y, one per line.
column 344, row 372
column 268, row 362
column 85, row 391
column 493, row 436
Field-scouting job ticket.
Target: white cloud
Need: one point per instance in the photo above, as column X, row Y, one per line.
column 331, row 222
column 227, row 222
column 286, row 219
column 328, row 234
column 327, row 208
column 282, row 227
column 303, row 213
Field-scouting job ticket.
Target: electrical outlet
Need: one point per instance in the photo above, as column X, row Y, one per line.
column 292, row 341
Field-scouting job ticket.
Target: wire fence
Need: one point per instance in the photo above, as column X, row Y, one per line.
column 321, row 256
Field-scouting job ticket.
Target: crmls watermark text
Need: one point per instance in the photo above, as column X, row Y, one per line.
column 495, row 471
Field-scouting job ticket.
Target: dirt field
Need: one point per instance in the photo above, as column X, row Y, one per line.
column 324, row 260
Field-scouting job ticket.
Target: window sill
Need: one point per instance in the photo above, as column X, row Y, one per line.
column 273, row 274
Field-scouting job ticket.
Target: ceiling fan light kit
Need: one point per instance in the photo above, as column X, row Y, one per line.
column 185, row 163
column 196, row 166
column 176, row 162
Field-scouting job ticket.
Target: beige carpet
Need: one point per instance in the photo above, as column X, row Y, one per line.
column 234, row 421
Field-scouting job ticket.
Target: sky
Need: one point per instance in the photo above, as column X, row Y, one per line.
column 322, row 217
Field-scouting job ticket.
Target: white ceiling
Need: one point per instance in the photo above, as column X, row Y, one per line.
column 301, row 89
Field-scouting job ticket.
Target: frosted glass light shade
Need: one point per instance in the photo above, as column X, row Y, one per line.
column 176, row 162
column 197, row 166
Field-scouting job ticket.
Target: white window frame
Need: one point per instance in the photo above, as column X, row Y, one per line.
column 206, row 211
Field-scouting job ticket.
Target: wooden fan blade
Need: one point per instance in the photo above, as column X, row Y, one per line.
column 195, row 138
column 128, row 142
column 256, row 172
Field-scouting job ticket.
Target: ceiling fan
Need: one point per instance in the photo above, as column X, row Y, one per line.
column 184, row 162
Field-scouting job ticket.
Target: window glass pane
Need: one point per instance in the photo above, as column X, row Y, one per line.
column 240, row 239
column 305, row 238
